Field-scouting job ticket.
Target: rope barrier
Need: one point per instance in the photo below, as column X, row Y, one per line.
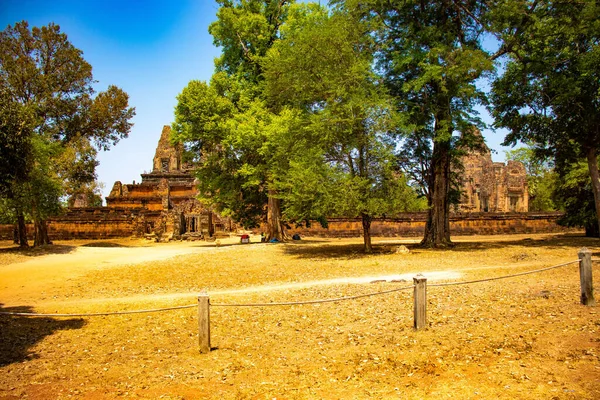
column 98, row 314
column 504, row 276
column 292, row 303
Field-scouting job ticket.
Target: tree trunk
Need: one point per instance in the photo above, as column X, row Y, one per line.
column 592, row 160
column 211, row 227
column 275, row 227
column 437, row 228
column 366, row 223
column 41, row 233
column 22, row 229
column 592, row 230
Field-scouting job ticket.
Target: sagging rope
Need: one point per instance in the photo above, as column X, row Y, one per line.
column 20, row 314
column 503, row 276
column 294, row 303
column 337, row 299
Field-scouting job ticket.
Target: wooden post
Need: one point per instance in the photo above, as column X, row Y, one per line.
column 204, row 323
column 585, row 277
column 420, row 297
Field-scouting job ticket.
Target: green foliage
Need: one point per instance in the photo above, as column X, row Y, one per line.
column 245, row 30
column 52, row 125
column 226, row 126
column 574, row 195
column 16, row 124
column 549, row 93
column 550, row 90
column 431, row 58
column 225, row 139
column 341, row 147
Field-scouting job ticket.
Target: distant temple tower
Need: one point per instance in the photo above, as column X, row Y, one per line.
column 167, row 157
column 488, row 186
column 167, row 197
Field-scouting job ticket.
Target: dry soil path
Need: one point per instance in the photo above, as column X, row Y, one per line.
column 26, row 282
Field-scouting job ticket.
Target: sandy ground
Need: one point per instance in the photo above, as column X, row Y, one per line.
column 26, row 282
column 519, row 338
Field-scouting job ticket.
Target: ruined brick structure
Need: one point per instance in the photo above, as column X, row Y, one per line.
column 166, row 197
column 413, row 225
column 164, row 204
column 488, row 186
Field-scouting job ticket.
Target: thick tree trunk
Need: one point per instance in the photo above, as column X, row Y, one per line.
column 275, row 227
column 41, row 233
column 437, row 228
column 22, row 229
column 366, row 223
column 592, row 160
column 211, row 227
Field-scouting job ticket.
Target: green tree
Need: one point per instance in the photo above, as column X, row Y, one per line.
column 431, row 58
column 573, row 193
column 16, row 125
column 338, row 157
column 541, row 178
column 52, row 121
column 549, row 93
column 226, row 125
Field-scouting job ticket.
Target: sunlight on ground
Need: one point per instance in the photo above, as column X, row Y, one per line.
column 525, row 337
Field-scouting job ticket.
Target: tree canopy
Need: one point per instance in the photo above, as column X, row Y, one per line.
column 52, row 124
column 549, row 93
column 322, row 69
column 226, row 124
column 431, row 58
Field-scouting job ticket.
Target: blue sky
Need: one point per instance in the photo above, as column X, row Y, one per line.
column 151, row 49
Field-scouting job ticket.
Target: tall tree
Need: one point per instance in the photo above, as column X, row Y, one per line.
column 573, row 194
column 226, row 124
column 54, row 122
column 341, row 159
column 431, row 58
column 549, row 93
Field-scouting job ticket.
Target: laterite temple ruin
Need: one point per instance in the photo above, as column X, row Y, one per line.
column 164, row 206
column 167, row 197
column 488, row 186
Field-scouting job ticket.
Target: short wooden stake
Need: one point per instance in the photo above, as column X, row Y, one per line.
column 585, row 277
column 420, row 302
column 204, row 323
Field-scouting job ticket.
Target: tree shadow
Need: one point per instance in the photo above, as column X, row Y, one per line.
column 344, row 251
column 347, row 251
column 575, row 241
column 105, row 244
column 39, row 250
column 18, row 334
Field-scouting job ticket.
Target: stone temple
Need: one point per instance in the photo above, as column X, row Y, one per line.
column 488, row 186
column 163, row 206
column 166, row 197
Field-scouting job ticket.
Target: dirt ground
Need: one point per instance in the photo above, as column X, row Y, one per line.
column 524, row 337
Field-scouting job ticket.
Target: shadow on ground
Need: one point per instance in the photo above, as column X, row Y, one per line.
column 103, row 244
column 466, row 244
column 338, row 251
column 39, row 250
column 19, row 334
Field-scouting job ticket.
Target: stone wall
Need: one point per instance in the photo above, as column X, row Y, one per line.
column 413, row 225
column 86, row 223
column 103, row 223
